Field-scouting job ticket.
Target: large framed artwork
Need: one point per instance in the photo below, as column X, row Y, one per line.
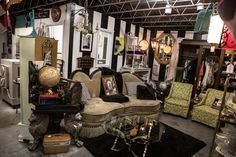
column 109, row 85
column 86, row 42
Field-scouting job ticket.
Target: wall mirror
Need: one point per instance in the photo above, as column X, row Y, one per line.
column 162, row 47
column 104, row 48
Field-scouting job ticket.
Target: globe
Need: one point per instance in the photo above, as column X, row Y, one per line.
column 49, row 76
column 163, row 86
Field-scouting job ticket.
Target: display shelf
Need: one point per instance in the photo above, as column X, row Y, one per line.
column 228, row 120
column 225, row 58
column 223, row 143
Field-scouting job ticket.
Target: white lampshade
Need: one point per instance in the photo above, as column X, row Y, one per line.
column 168, row 9
column 215, row 30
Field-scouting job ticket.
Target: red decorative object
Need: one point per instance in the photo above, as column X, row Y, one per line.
column 49, row 99
column 227, row 41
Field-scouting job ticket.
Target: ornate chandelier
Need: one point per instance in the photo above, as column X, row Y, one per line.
column 83, row 25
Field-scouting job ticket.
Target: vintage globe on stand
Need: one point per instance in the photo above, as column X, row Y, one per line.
column 49, row 76
column 162, row 86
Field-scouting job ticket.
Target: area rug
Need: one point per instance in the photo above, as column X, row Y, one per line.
column 173, row 144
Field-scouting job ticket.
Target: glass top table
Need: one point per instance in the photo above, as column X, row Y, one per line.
column 137, row 129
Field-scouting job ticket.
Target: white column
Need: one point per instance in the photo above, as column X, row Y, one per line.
column 27, row 53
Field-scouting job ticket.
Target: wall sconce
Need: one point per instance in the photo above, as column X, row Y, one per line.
column 83, row 25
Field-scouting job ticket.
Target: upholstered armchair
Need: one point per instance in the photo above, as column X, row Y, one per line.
column 178, row 100
column 203, row 112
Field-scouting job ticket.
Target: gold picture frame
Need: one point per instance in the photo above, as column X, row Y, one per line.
column 109, row 85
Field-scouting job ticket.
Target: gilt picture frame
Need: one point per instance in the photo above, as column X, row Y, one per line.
column 109, row 85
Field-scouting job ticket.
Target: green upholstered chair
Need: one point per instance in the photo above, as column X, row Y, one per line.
column 178, row 100
column 203, row 112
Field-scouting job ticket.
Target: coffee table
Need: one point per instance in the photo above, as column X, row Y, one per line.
column 135, row 129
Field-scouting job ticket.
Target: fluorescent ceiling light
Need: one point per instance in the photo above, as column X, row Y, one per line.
column 168, row 9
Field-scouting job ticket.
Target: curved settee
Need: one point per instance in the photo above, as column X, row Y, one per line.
column 96, row 111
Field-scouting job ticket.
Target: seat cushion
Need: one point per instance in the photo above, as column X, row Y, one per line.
column 176, row 101
column 141, row 106
column 205, row 114
column 96, row 110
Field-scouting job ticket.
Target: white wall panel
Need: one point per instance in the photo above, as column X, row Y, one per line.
column 148, row 37
column 122, row 35
column 122, row 28
column 189, row 34
column 140, row 36
column 159, row 33
column 174, row 33
column 97, row 18
column 132, row 28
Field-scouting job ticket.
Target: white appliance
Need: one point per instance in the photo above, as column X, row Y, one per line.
column 10, row 70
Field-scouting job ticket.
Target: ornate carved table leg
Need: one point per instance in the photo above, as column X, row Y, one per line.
column 38, row 127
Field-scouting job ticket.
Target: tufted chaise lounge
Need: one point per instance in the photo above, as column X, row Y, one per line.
column 96, row 111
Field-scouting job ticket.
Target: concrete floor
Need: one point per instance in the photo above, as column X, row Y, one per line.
column 10, row 147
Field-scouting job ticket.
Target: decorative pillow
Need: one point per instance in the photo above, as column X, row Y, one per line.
column 132, row 87
column 109, row 85
column 216, row 104
column 85, row 93
column 145, row 93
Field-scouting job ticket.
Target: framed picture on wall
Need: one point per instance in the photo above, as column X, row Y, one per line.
column 86, row 42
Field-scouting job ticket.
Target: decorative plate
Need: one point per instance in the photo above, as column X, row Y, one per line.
column 56, row 13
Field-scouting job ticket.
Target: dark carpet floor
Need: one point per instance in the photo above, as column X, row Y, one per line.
column 173, row 144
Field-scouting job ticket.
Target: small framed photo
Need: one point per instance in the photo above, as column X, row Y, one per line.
column 86, row 42
column 109, row 85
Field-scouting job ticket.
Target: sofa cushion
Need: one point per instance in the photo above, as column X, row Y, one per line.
column 85, row 93
column 137, row 106
column 132, row 87
column 212, row 94
column 128, row 77
column 176, row 101
column 96, row 110
column 93, row 84
column 205, row 114
column 145, row 92
column 181, row 90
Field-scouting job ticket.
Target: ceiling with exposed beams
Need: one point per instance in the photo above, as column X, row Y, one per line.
column 145, row 13
column 151, row 13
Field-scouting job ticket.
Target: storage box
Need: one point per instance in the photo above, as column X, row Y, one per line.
column 56, row 143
